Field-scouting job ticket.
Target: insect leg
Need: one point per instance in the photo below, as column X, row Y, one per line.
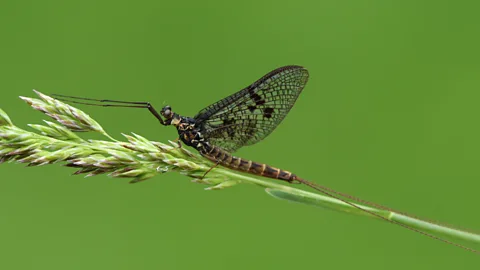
column 211, row 168
column 122, row 104
column 177, row 140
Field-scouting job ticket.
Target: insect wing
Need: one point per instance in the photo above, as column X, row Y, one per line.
column 250, row 115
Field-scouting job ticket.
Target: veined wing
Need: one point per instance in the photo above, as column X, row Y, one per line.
column 251, row 114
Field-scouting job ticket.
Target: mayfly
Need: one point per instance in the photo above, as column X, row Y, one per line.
column 243, row 118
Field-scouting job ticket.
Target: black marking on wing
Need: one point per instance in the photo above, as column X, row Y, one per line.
column 267, row 112
column 251, row 114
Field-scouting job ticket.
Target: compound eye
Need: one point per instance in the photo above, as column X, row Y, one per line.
column 167, row 111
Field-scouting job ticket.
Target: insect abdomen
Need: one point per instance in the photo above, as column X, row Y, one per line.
column 226, row 159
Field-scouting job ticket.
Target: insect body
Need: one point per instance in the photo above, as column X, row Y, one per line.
column 191, row 136
column 243, row 118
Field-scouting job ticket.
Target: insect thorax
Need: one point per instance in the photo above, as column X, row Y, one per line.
column 189, row 134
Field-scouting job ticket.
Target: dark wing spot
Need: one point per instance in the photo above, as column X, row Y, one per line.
column 252, row 108
column 267, row 112
column 257, row 98
column 227, row 121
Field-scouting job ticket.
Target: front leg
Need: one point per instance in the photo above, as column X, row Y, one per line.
column 116, row 103
column 178, row 141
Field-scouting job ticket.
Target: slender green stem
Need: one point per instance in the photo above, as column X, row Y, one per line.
column 334, row 204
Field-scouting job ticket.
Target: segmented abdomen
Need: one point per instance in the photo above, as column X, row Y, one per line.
column 226, row 159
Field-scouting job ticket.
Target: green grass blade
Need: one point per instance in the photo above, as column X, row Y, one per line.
column 326, row 202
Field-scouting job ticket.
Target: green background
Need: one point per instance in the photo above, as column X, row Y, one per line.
column 390, row 114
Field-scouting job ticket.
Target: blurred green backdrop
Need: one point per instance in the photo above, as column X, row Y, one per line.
column 390, row 114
